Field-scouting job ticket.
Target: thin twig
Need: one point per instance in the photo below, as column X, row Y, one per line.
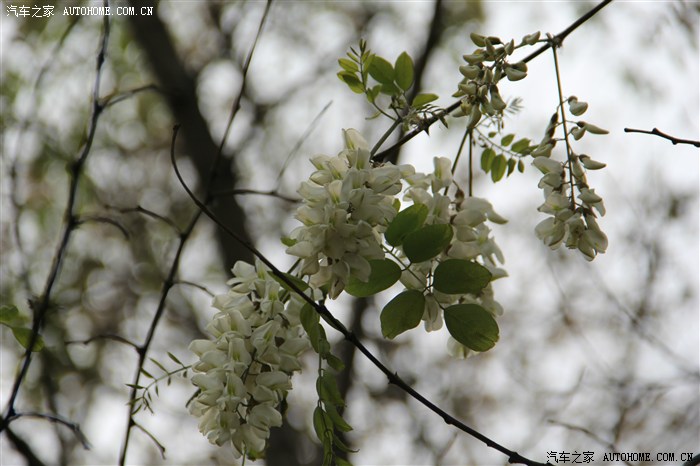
column 143, row 349
column 301, row 140
column 58, row 420
column 237, row 101
column 104, row 336
column 244, row 191
column 656, row 132
column 195, row 285
column 169, row 282
column 116, row 98
column 159, row 445
column 425, row 124
column 100, row 219
column 609, row 445
column 149, row 213
column 394, row 379
column 13, row 180
column 70, row 222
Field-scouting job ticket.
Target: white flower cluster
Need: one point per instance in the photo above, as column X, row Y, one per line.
column 245, row 372
column 347, row 204
column 471, row 240
column 571, row 223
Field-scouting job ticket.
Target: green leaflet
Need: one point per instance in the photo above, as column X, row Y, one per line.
column 404, row 71
column 472, row 325
column 458, row 276
column 427, row 242
column 402, row 313
column 405, row 222
column 385, row 273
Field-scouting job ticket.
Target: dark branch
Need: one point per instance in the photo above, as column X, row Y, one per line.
column 170, row 280
column 58, row 420
column 42, row 304
column 656, row 132
column 23, row 449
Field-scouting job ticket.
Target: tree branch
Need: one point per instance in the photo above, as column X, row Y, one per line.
column 656, row 132
column 170, row 280
column 41, row 306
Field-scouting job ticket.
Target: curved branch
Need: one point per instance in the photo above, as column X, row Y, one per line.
column 656, row 132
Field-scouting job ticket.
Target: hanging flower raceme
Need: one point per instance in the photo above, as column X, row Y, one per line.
column 347, row 204
column 245, row 372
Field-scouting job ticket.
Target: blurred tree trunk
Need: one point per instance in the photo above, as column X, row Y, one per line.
column 179, row 89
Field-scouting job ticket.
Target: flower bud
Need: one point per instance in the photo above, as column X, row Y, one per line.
column 590, row 164
column 577, row 108
column 496, row 100
column 514, row 75
column 469, row 71
column 478, row 39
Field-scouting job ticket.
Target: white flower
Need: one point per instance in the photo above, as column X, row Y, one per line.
column 347, row 205
column 432, row 314
column 547, row 165
column 245, row 372
column 442, row 177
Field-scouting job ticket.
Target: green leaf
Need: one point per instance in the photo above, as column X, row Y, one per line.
column 507, row 139
column 348, row 65
column 24, row 336
column 521, row 166
column 427, row 242
column 337, row 419
column 381, row 70
column 352, row 81
column 341, row 462
column 402, row 313
column 384, row 273
column 520, row 145
column 487, row 157
column 334, row 361
column 327, row 388
column 459, row 276
column 160, row 366
column 405, row 222
column 511, row 166
column 422, row 99
column 498, row 167
column 338, row 444
column 174, row 358
column 310, row 321
column 9, row 314
column 472, row 325
column 373, row 93
column 404, row 71
column 322, row 425
column 389, row 89
column 287, row 241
